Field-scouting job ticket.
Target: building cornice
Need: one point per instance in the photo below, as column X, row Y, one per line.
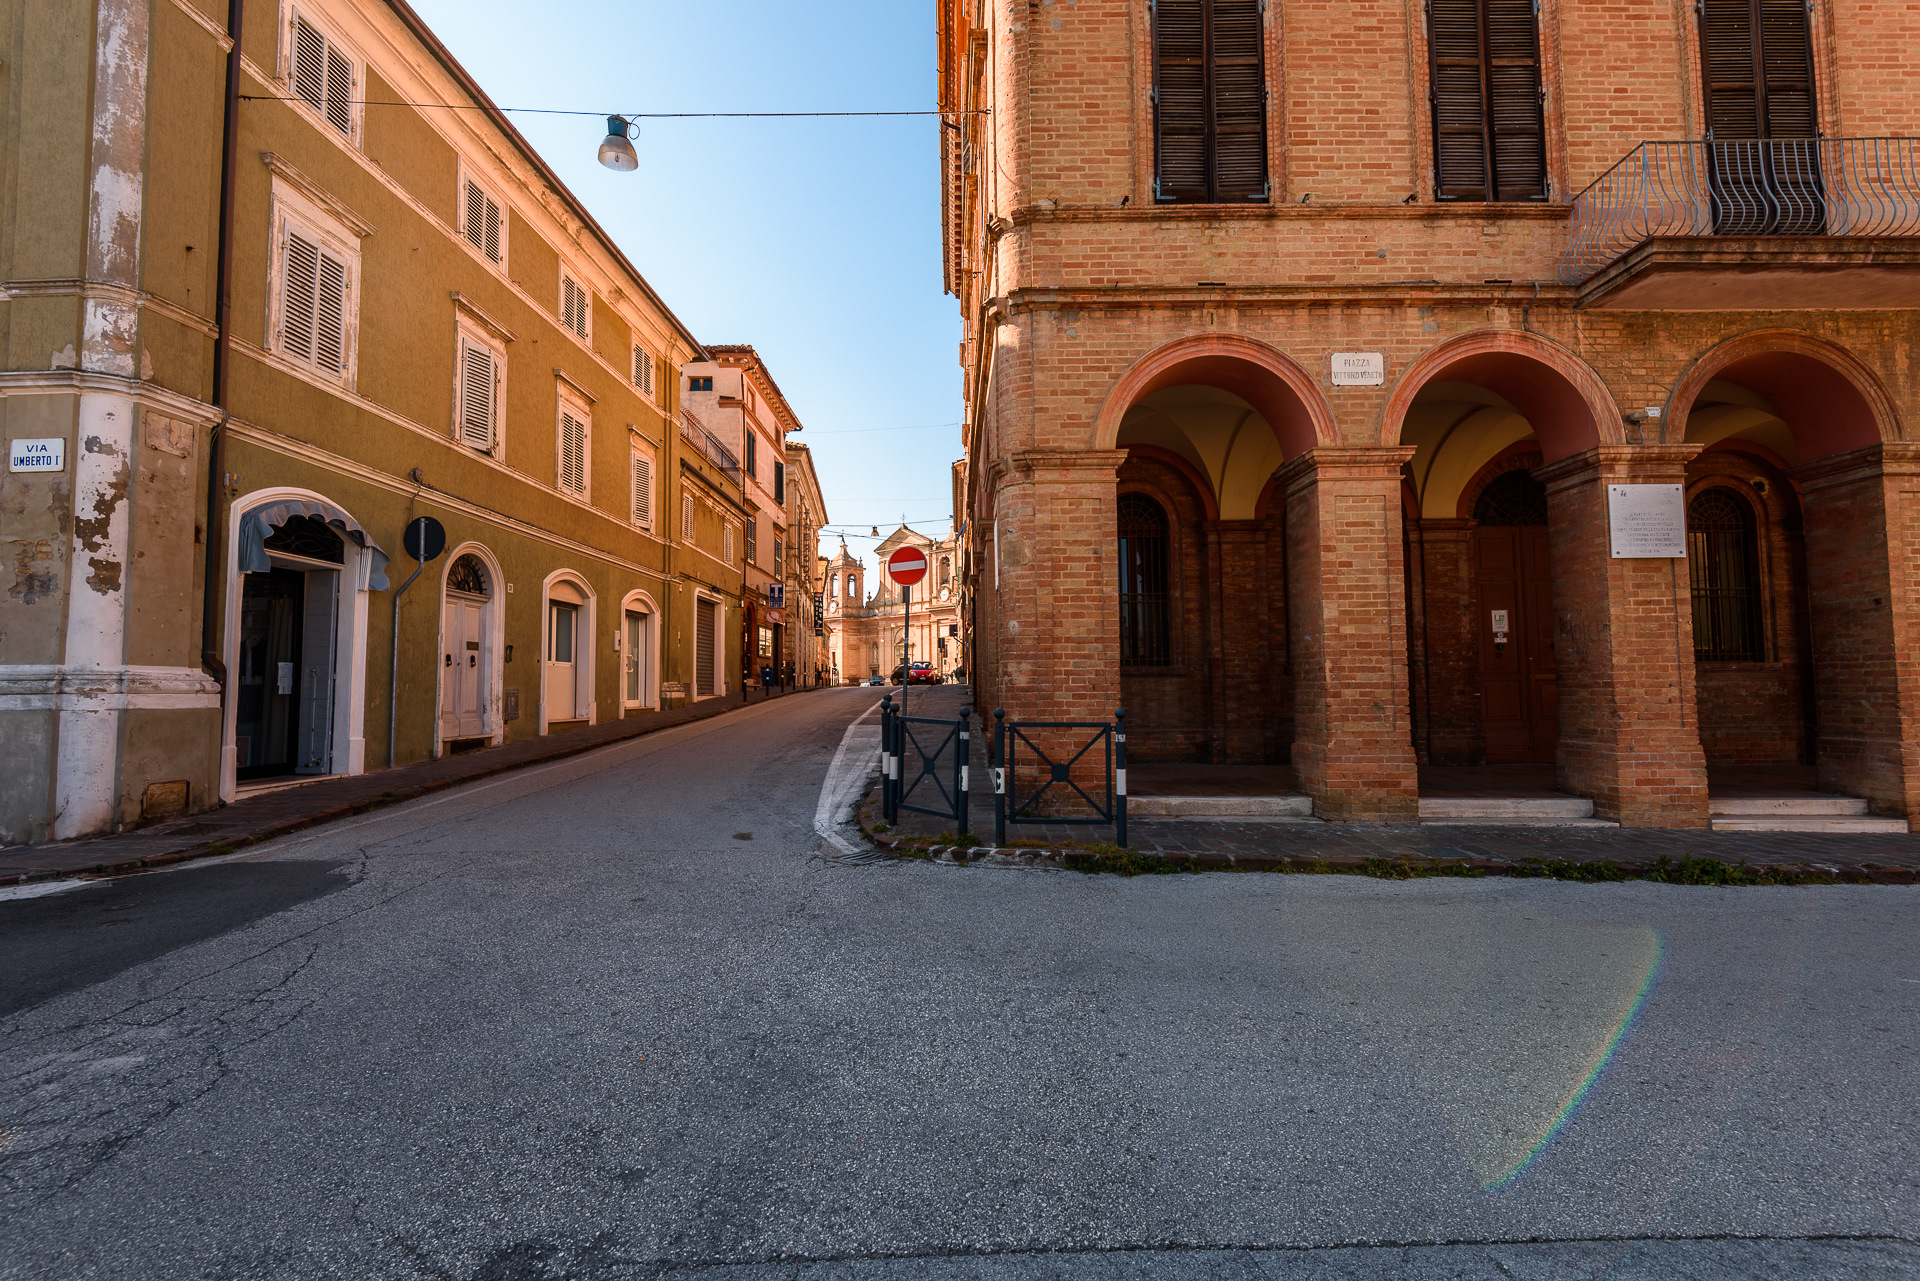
column 43, row 381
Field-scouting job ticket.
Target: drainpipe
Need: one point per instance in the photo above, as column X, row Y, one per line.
column 222, row 360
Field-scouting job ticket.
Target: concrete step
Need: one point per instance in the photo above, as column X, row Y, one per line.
column 1289, row 805
column 1518, row 822
column 1814, row 805
column 1849, row 824
column 1459, row 809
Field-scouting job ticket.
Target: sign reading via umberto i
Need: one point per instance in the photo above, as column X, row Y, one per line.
column 1647, row 522
column 49, row 454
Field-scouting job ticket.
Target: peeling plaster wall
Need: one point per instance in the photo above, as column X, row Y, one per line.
column 111, row 324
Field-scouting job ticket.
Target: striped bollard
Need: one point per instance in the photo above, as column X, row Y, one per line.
column 1120, row 776
column 962, row 757
column 998, row 763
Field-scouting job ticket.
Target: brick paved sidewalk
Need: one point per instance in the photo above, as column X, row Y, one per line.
column 1229, row 843
column 269, row 814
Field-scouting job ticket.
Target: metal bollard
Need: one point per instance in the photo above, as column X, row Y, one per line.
column 1120, row 776
column 998, row 763
column 886, row 757
column 962, row 760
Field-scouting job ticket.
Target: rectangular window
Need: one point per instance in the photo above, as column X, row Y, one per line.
column 780, row 483
column 1758, row 59
column 1489, row 130
column 1209, row 102
column 477, row 415
column 560, row 629
column 753, row 539
column 576, row 305
column 699, row 384
column 642, row 467
column 686, row 518
column 315, row 284
column 481, row 222
column 727, row 546
column 776, row 555
column 574, row 423
column 322, row 75
column 643, row 369
column 753, row 454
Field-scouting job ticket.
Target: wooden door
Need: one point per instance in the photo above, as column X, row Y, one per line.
column 1519, row 700
column 562, row 691
column 461, row 675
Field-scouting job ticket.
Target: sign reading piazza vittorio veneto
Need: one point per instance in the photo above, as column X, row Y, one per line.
column 1647, row 522
column 907, row 566
column 49, row 454
column 1359, row 368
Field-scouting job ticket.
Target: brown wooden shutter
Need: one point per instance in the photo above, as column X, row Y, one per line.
column 1489, row 132
column 1180, row 100
column 1210, row 101
column 1758, row 57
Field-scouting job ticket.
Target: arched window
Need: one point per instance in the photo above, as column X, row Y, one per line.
column 468, row 575
column 1514, row 498
column 1724, row 563
column 1143, row 582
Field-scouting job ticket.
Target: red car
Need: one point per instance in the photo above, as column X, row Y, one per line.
column 917, row 674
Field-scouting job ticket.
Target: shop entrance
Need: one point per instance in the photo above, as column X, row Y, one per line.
column 289, row 621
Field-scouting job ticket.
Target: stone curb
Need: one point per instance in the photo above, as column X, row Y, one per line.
column 1405, row 868
column 351, row 809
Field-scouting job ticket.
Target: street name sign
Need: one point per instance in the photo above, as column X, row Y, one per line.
column 48, row 454
column 1647, row 522
column 1359, row 368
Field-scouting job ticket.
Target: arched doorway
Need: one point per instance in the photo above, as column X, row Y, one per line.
column 567, row 667
column 1794, row 564
column 468, row 663
column 639, row 653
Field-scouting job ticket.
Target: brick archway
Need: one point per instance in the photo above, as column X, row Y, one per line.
column 1260, row 375
column 1829, row 399
column 1569, row 406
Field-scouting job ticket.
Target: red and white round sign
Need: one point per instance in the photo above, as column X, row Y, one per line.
column 907, row 566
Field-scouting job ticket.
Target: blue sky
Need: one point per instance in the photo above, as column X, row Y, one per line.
column 818, row 241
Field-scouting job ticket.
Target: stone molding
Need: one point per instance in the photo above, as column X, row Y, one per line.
column 40, row 687
column 1345, row 462
column 1895, row 458
column 1669, row 461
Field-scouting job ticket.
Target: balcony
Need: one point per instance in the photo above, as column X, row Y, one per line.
column 1751, row 225
column 695, row 433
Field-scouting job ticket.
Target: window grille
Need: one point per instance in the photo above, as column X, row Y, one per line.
column 1724, row 564
column 1515, row 498
column 467, row 574
column 1143, row 582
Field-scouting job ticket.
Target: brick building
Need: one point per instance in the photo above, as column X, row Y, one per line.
column 1308, row 348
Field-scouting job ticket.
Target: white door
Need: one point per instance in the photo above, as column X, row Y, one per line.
column 562, row 692
column 634, row 688
column 461, row 673
column 319, row 621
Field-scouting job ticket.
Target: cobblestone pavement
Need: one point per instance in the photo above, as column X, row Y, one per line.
column 1364, row 841
column 268, row 814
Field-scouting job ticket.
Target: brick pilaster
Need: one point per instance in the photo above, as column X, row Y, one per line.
column 1623, row 648
column 1862, row 513
column 1352, row 750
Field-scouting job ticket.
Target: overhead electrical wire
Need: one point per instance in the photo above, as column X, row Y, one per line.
column 628, row 115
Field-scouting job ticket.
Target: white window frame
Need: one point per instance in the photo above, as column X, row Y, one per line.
column 293, row 211
column 569, row 403
column 356, row 108
column 585, row 333
column 468, row 335
column 638, row 448
column 467, row 177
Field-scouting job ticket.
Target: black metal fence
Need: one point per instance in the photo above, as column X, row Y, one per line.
column 1059, row 759
column 915, row 752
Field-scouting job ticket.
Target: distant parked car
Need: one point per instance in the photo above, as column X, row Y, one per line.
column 875, row 679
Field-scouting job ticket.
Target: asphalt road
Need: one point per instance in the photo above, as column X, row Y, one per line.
column 629, row 1015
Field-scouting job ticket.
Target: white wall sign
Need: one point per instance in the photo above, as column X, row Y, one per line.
column 1359, row 368
column 1648, row 522
column 49, row 454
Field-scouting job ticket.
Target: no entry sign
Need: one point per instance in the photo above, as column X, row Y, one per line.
column 907, row 566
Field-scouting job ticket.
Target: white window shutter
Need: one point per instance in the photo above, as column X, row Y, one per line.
column 686, row 517
column 642, row 490
column 299, row 288
column 339, row 91
column 477, row 216
column 309, row 65
column 492, row 246
column 729, row 543
column 479, row 384
column 573, row 450
column 643, row 370
column 330, row 316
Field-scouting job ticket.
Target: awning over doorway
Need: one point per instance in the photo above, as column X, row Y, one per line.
column 258, row 525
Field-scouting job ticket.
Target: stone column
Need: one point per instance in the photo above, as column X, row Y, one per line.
column 1055, row 624
column 1623, row 648
column 1862, row 513
column 1352, row 749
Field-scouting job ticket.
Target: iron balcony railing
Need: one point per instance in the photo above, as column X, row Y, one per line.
column 695, row 433
column 1746, row 187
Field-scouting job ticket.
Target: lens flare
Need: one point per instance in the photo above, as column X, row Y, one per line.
column 1571, row 1107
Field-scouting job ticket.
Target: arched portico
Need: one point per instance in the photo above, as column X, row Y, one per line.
column 1531, row 641
column 1802, row 574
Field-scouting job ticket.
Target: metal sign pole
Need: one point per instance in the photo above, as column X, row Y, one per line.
column 906, row 644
